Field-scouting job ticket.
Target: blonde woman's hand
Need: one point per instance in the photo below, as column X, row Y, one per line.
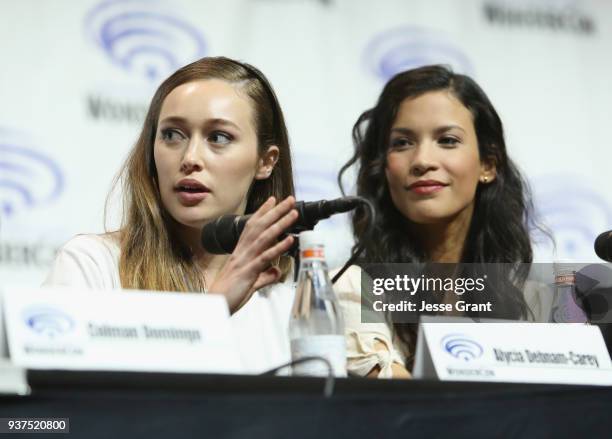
column 249, row 267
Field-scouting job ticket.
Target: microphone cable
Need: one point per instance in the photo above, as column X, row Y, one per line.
column 330, row 379
column 367, row 204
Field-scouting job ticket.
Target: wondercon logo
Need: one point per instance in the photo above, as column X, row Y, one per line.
column 48, row 321
column 409, row 47
column 461, row 347
column 576, row 214
column 143, row 36
column 27, row 177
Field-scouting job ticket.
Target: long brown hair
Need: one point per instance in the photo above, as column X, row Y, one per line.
column 152, row 255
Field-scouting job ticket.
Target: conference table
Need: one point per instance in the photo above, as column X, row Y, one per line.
column 151, row 405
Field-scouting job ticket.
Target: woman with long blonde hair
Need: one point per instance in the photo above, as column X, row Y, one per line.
column 214, row 142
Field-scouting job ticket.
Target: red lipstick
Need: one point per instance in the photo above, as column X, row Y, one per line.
column 426, row 187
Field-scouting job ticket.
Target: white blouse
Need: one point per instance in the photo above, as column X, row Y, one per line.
column 362, row 356
column 261, row 326
column 361, row 338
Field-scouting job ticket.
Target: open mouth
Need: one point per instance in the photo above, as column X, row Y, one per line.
column 190, row 186
column 191, row 192
column 192, row 189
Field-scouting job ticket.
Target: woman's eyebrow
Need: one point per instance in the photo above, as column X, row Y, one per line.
column 221, row 121
column 173, row 119
column 400, row 130
column 445, row 128
column 182, row 121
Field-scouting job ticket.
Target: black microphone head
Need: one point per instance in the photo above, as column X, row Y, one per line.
column 594, row 292
column 603, row 246
column 220, row 236
column 311, row 212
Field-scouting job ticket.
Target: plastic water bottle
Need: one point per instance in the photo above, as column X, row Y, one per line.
column 316, row 327
column 565, row 308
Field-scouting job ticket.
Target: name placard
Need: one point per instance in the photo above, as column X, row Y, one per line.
column 569, row 353
column 122, row 330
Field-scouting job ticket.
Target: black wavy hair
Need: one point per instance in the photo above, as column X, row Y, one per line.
column 499, row 229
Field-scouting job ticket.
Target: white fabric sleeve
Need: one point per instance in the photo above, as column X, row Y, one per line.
column 539, row 298
column 86, row 261
column 261, row 328
column 361, row 338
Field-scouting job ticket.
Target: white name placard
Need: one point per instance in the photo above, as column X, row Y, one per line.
column 511, row 352
column 121, row 330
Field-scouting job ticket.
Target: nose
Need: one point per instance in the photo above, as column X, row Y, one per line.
column 192, row 160
column 423, row 160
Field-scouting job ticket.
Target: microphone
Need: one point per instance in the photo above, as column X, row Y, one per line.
column 221, row 236
column 603, row 246
column 594, row 295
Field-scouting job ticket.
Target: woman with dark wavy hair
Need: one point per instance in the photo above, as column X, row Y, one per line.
column 431, row 157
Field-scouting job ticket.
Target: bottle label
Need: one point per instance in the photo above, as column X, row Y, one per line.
column 565, row 279
column 313, row 253
column 330, row 347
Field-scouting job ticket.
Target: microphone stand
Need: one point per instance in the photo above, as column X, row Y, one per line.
column 294, row 251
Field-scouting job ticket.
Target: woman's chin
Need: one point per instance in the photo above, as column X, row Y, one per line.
column 192, row 223
column 429, row 219
column 196, row 219
column 192, row 218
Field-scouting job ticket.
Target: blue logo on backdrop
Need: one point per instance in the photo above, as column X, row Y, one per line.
column 461, row 347
column 574, row 212
column 48, row 321
column 408, row 47
column 27, row 177
column 142, row 36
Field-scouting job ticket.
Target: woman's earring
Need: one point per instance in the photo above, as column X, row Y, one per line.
column 485, row 179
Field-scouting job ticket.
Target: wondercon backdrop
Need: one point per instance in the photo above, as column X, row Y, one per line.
column 77, row 76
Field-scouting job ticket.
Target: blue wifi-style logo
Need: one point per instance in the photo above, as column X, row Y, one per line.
column 28, row 177
column 48, row 321
column 574, row 211
column 142, row 36
column 462, row 347
column 408, row 47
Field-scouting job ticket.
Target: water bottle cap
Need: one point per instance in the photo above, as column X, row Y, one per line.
column 310, row 239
